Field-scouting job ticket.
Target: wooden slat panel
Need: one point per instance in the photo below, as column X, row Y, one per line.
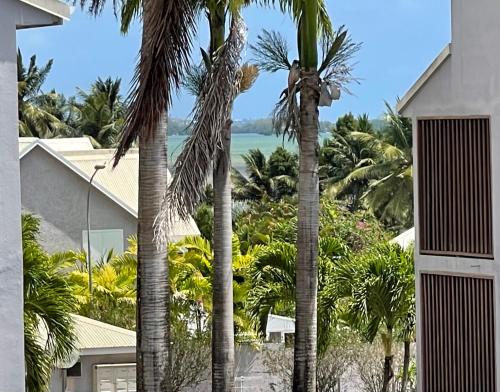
column 458, row 334
column 455, row 187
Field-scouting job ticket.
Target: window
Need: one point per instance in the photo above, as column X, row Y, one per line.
column 102, row 241
column 75, row 371
column 115, row 378
column 454, row 181
column 458, row 333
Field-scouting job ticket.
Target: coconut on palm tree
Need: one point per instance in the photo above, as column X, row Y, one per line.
column 317, row 82
column 49, row 337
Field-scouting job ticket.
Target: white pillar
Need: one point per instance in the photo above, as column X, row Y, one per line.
column 12, row 371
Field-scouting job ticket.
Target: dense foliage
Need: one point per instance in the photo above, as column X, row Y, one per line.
column 48, row 302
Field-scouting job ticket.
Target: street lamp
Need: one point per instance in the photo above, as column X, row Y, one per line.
column 89, row 260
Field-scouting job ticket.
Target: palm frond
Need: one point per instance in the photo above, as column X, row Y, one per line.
column 196, row 76
column 271, row 51
column 212, row 113
column 163, row 59
column 338, row 51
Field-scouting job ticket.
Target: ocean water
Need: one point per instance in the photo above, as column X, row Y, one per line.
column 241, row 144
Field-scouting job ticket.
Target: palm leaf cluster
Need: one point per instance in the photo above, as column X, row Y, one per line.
column 374, row 169
column 273, row 178
column 49, row 337
column 98, row 113
column 212, row 111
column 271, row 53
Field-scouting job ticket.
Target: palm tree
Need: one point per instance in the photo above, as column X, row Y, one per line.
column 304, row 77
column 167, row 28
column 220, row 79
column 101, row 113
column 341, row 155
column 34, row 119
column 114, row 289
column 389, row 172
column 48, row 302
column 274, row 275
column 376, row 293
column 274, row 178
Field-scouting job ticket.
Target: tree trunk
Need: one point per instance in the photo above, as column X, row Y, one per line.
column 153, row 324
column 406, row 366
column 223, row 329
column 304, row 376
column 388, row 372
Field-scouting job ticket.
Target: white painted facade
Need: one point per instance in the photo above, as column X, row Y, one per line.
column 14, row 14
column 464, row 80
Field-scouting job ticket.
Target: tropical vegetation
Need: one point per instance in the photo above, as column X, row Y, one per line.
column 49, row 337
column 294, row 235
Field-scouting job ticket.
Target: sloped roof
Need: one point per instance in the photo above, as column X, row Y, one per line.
column 58, row 144
column 94, row 336
column 422, row 80
column 119, row 184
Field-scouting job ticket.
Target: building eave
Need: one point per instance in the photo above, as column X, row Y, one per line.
column 52, row 7
column 403, row 103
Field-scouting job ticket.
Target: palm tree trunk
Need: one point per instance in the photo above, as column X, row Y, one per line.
column 153, row 324
column 304, row 376
column 388, row 372
column 406, row 365
column 223, row 329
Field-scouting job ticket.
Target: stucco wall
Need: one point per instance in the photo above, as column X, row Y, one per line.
column 468, row 83
column 59, row 196
column 11, row 293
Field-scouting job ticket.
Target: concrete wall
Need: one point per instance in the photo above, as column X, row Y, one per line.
column 11, row 290
column 467, row 83
column 64, row 203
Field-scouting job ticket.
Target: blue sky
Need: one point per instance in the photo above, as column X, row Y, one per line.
column 399, row 40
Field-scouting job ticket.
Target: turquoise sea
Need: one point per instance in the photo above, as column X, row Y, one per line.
column 240, row 144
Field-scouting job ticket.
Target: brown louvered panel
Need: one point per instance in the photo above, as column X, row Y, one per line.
column 455, row 187
column 458, row 334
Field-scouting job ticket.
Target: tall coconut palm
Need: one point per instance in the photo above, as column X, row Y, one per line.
column 220, row 79
column 167, row 29
column 48, row 302
column 316, row 83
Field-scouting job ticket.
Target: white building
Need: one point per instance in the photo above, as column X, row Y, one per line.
column 14, row 15
column 455, row 108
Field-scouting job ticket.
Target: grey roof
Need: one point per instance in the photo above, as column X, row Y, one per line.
column 94, row 335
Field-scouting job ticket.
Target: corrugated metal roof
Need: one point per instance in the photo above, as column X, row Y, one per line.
column 122, row 181
column 93, row 334
column 59, row 144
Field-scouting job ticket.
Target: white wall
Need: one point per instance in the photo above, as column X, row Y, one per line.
column 11, row 290
column 467, row 83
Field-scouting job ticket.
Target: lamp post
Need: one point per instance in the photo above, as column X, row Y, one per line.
column 89, row 260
